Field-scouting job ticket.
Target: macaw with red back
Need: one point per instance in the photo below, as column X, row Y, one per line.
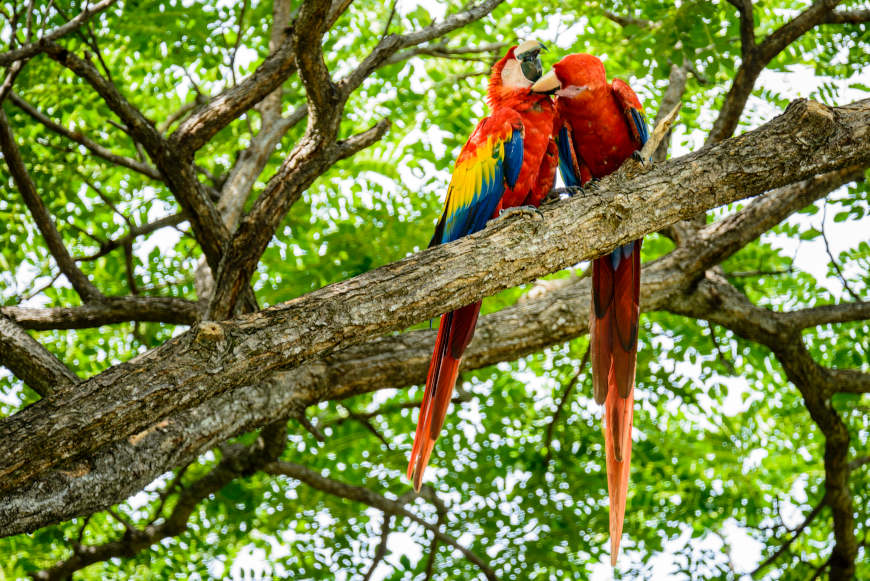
column 510, row 160
column 602, row 125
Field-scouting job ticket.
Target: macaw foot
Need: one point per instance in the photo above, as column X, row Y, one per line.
column 521, row 210
column 588, row 189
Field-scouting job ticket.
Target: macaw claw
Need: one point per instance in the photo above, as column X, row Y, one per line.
column 521, row 210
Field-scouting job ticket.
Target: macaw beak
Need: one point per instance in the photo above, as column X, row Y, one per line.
column 548, row 84
column 528, row 54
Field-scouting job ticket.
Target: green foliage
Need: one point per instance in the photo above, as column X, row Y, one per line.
column 723, row 440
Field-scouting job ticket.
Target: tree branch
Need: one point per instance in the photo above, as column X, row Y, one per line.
column 392, row 297
column 756, row 60
column 237, row 461
column 828, row 314
column 31, row 362
column 84, row 287
column 373, row 499
column 29, row 50
column 277, row 337
column 747, row 26
column 92, row 146
column 626, row 20
column 717, row 301
column 847, row 16
column 316, row 151
column 136, row 231
column 108, row 311
column 223, row 108
column 797, row 532
column 179, row 173
column 392, row 43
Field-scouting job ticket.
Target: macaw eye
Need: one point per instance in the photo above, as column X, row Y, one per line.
column 531, row 66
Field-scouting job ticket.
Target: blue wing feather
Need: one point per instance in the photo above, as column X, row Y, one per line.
column 639, row 120
column 566, row 159
column 478, row 186
column 513, row 158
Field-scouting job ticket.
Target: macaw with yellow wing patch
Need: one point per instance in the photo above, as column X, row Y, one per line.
column 602, row 125
column 510, row 160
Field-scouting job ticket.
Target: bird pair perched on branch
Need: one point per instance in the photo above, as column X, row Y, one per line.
column 573, row 119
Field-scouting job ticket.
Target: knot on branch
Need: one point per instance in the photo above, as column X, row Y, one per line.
column 208, row 333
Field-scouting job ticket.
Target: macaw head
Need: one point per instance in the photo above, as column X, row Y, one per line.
column 517, row 70
column 573, row 75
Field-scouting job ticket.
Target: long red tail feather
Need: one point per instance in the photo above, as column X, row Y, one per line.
column 454, row 333
column 613, row 349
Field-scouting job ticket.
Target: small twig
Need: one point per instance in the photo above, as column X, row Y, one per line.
column 167, row 492
column 130, row 268
column 821, row 568
column 309, row 427
column 238, row 42
column 389, row 20
column 859, row 462
column 121, row 519
column 49, row 284
column 660, row 132
column 797, row 532
column 381, row 551
column 720, row 354
column 366, row 422
column 834, row 262
column 754, row 273
column 566, row 392
column 81, row 534
column 441, row 509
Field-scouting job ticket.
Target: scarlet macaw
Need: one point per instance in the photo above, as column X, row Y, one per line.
column 510, row 160
column 602, row 125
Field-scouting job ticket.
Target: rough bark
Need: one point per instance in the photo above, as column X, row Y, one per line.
column 30, row 361
column 108, row 311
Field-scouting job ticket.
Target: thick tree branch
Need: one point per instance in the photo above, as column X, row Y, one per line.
column 84, row 287
column 31, row 362
column 29, row 50
column 223, row 108
column 108, row 311
column 828, row 314
column 848, row 16
column 719, row 302
column 373, row 499
column 81, row 139
column 237, row 461
column 181, row 372
column 316, row 151
column 323, row 98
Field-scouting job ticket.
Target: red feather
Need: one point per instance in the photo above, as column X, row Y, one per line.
column 604, row 133
column 535, row 180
